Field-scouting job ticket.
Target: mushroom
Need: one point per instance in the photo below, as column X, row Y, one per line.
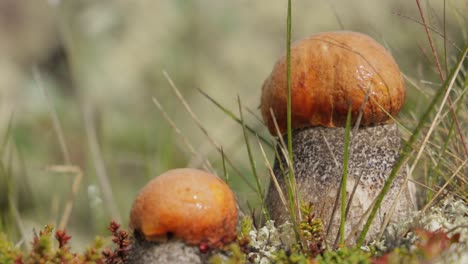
column 331, row 73
column 180, row 214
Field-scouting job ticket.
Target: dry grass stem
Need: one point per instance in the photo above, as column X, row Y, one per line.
column 205, row 147
column 437, row 188
column 329, row 149
column 206, row 163
column 442, row 188
column 415, row 85
column 74, row 190
column 203, row 129
column 282, row 144
column 273, row 177
column 422, row 147
column 19, row 222
column 441, row 34
column 441, row 75
column 252, row 113
column 348, row 205
column 284, row 151
column 99, row 164
column 55, row 120
column 355, row 228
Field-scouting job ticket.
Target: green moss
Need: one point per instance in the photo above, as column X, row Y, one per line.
column 246, row 226
column 236, row 256
column 8, row 252
column 52, row 247
column 42, row 245
column 294, row 257
column 93, row 253
column 344, row 256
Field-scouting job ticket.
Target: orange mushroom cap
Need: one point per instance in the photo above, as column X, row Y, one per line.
column 190, row 204
column 329, row 73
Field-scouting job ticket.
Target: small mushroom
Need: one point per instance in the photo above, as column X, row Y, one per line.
column 331, row 73
column 179, row 214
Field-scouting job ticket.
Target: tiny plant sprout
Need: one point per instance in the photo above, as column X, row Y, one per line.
column 333, row 73
column 182, row 211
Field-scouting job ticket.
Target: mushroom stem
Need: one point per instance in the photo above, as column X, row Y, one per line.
column 318, row 166
column 172, row 252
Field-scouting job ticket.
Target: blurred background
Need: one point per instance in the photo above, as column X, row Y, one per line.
column 92, row 67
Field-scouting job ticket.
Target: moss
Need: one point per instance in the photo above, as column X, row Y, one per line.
column 345, row 255
column 292, row 257
column 245, row 227
column 52, row 247
column 271, row 244
column 235, row 256
column 8, row 252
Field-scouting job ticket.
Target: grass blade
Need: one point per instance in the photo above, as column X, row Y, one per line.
column 203, row 129
column 292, row 180
column 288, row 85
column 273, row 176
column 443, row 187
column 252, row 163
column 73, row 193
column 207, row 165
column 345, row 176
column 234, row 117
column 55, row 120
column 225, row 172
column 6, row 137
column 99, row 164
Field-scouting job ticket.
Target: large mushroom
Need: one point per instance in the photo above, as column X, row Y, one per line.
column 179, row 215
column 331, row 73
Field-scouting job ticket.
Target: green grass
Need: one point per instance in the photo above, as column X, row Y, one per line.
column 117, row 69
column 259, row 190
column 345, row 176
column 291, row 187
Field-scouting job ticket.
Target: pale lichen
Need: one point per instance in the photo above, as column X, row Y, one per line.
column 265, row 241
column 449, row 216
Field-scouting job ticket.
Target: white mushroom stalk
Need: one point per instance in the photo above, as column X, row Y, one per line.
column 331, row 73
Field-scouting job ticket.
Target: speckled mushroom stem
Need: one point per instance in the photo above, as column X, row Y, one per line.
column 318, row 167
column 171, row 252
